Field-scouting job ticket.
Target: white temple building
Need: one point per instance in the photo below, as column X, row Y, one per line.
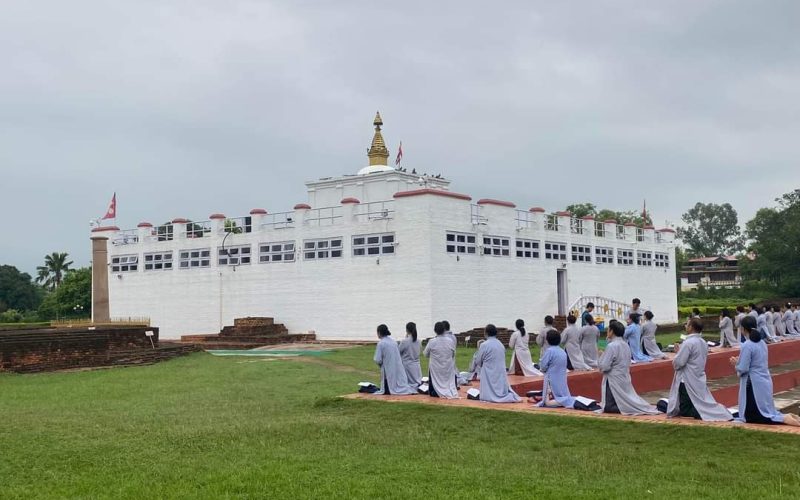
column 382, row 246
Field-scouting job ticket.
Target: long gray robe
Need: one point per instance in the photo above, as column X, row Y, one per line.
column 589, row 336
column 788, row 321
column 737, row 323
column 777, row 319
column 393, row 375
column 521, row 353
column 449, row 335
column 571, row 340
column 615, row 364
column 690, row 368
column 770, row 323
column 649, row 340
column 491, row 364
column 541, row 340
column 726, row 333
column 554, row 366
column 441, row 352
column 409, row 353
column 797, row 321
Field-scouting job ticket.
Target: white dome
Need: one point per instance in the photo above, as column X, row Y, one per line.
column 374, row 169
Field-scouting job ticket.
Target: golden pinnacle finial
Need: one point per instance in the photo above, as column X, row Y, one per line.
column 378, row 154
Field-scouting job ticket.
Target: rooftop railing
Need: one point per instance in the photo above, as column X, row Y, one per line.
column 375, row 210
column 278, row 220
column 328, row 216
column 526, row 220
column 476, row 214
column 126, row 237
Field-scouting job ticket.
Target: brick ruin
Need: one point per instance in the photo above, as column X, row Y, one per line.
column 247, row 333
column 49, row 349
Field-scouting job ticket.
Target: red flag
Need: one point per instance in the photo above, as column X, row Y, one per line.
column 111, row 213
column 399, row 154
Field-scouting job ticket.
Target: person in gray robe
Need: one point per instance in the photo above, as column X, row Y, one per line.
column 451, row 336
column 761, row 321
column 491, row 364
column 521, row 363
column 777, row 317
column 387, row 356
column 769, row 320
column 737, row 322
column 441, row 352
column 541, row 339
column 756, row 404
column 788, row 321
column 409, row 353
column 618, row 395
column 649, row 344
column 554, row 366
column 689, row 395
column 752, row 310
column 726, row 334
column 571, row 340
column 589, row 335
column 796, row 319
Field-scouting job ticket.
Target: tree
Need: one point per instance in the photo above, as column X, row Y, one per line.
column 711, row 229
column 17, row 291
column 51, row 274
column 774, row 235
column 582, row 209
column 72, row 298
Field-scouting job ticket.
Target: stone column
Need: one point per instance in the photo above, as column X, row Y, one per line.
column 100, row 306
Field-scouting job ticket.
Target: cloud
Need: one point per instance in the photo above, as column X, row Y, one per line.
column 188, row 108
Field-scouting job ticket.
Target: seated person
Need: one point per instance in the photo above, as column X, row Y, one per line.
column 756, row 405
column 617, row 389
column 554, row 366
column 689, row 395
column 393, row 373
column 649, row 344
column 589, row 335
column 571, row 338
column 441, row 374
column 633, row 334
column 491, row 366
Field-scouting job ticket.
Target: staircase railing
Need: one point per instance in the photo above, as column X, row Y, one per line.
column 602, row 305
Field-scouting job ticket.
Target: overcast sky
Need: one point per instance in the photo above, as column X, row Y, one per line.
column 186, row 108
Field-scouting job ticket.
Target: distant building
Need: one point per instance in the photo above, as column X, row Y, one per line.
column 719, row 271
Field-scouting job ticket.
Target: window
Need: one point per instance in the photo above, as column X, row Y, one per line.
column 161, row 261
column 125, row 263
column 528, row 249
column 461, row 243
column 233, row 256
column 624, row 257
column 581, row 253
column 662, row 260
column 199, row 257
column 604, row 255
column 497, row 246
column 373, row 244
column 276, row 252
column 644, row 258
column 555, row 251
column 329, row 248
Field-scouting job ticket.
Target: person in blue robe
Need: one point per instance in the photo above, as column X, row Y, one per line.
column 756, row 405
column 554, row 366
column 491, row 364
column 393, row 374
column 633, row 335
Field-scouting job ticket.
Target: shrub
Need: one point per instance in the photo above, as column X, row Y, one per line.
column 11, row 316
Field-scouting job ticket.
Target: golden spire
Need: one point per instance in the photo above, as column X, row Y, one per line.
column 378, row 154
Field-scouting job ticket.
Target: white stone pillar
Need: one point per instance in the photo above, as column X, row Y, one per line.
column 349, row 206
column 610, row 226
column 538, row 217
column 630, row 231
column 257, row 216
column 218, row 224
column 144, row 230
column 564, row 221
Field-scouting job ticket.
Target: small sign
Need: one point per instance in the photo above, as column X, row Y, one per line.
column 149, row 333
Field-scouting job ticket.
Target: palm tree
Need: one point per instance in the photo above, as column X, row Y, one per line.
column 52, row 272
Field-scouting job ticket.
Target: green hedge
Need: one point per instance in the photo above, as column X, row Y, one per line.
column 19, row 326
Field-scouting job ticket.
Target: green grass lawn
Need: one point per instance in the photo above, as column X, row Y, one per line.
column 210, row 427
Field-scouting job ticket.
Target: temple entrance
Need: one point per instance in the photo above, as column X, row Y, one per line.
column 561, row 291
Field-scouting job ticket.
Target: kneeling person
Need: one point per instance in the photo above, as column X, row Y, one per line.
column 554, row 366
column 393, row 373
column 491, row 365
column 615, row 365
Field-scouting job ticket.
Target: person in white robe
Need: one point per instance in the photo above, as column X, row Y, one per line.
column 589, row 336
column 756, row 404
column 393, row 375
column 752, row 310
column 521, row 363
column 649, row 344
column 769, row 320
column 796, row 319
column 571, row 340
column 491, row 365
column 450, row 335
column 440, row 351
column 618, row 394
column 689, row 395
column 409, row 353
column 761, row 321
column 726, row 334
column 554, row 366
column 541, row 338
